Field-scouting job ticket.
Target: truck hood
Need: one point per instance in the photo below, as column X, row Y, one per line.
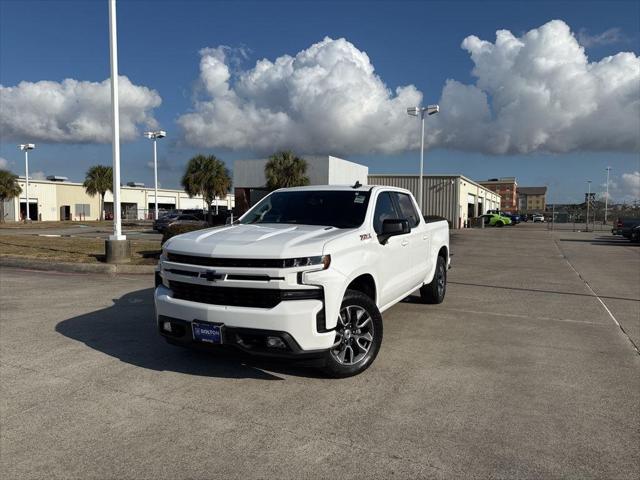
column 256, row 241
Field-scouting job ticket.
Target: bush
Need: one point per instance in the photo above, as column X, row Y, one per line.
column 174, row 230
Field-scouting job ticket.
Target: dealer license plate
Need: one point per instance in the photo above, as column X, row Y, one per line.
column 206, row 332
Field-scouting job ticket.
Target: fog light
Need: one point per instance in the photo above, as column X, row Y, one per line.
column 166, row 326
column 275, row 342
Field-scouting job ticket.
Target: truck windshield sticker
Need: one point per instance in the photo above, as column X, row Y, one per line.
column 359, row 198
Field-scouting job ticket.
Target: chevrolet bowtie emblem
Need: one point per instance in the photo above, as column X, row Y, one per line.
column 211, row 276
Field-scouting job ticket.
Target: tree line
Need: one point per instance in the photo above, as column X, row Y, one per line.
column 204, row 175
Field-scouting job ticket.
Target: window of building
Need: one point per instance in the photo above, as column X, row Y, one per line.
column 83, row 209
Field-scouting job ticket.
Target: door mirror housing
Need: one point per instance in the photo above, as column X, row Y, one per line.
column 392, row 227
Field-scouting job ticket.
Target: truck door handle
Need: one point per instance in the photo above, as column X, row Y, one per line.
column 425, row 237
column 405, row 243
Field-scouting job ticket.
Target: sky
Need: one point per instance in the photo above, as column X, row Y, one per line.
column 546, row 91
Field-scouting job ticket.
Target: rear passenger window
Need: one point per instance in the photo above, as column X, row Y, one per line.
column 407, row 209
column 384, row 210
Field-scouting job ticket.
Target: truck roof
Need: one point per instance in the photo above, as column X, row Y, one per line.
column 351, row 188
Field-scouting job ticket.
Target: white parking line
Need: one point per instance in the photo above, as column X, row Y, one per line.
column 604, row 305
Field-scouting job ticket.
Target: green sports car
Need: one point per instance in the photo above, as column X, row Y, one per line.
column 495, row 220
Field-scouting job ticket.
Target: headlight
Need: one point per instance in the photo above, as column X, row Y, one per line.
column 324, row 260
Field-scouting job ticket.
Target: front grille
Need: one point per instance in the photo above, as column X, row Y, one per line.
column 226, row 262
column 238, row 297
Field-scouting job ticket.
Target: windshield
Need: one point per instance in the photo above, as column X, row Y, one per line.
column 335, row 208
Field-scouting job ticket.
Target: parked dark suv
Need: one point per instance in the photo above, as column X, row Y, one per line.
column 625, row 226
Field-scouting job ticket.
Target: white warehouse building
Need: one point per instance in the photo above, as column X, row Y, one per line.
column 454, row 197
column 58, row 199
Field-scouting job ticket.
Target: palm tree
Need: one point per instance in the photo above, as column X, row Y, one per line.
column 285, row 169
column 97, row 181
column 9, row 188
column 206, row 176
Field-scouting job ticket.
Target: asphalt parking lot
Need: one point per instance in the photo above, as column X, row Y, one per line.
column 522, row 372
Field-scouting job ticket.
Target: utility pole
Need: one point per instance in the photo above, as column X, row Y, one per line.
column 155, row 136
column 25, row 147
column 588, row 203
column 606, row 198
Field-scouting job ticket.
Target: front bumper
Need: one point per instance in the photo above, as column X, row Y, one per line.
column 247, row 340
column 294, row 321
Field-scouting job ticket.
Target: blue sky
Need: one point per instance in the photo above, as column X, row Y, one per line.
column 408, row 43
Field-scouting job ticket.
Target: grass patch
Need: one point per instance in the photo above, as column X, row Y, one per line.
column 106, row 224
column 73, row 249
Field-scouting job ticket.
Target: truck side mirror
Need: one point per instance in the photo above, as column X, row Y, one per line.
column 392, row 227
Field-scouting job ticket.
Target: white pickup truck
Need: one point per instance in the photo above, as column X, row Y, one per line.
column 304, row 273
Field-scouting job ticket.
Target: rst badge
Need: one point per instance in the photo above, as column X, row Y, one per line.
column 365, row 236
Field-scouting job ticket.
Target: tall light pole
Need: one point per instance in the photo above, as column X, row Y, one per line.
column 155, row 136
column 422, row 111
column 25, row 147
column 113, row 50
column 606, row 198
column 588, row 202
column 117, row 247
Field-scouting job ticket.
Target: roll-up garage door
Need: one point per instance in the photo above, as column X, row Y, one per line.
column 471, row 205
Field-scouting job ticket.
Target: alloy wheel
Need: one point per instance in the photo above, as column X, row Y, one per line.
column 441, row 280
column 354, row 335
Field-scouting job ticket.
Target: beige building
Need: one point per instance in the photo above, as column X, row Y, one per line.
column 532, row 199
column 454, row 197
column 63, row 200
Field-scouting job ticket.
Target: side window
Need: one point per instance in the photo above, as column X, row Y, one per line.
column 384, row 210
column 407, row 209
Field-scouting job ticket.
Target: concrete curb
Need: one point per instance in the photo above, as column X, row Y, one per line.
column 36, row 264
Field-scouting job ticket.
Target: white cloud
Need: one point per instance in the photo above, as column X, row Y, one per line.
column 326, row 98
column 4, row 163
column 37, row 175
column 625, row 187
column 631, row 185
column 537, row 92
column 73, row 111
column 612, row 35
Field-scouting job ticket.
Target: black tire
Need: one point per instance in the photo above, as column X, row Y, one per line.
column 435, row 291
column 499, row 224
column 354, row 363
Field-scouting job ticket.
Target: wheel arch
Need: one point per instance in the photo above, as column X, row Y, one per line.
column 366, row 284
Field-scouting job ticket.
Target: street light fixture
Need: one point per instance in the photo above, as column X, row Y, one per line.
column 422, row 111
column 25, row 147
column 155, row 136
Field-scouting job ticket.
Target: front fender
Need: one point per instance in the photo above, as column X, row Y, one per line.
column 333, row 283
column 339, row 275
